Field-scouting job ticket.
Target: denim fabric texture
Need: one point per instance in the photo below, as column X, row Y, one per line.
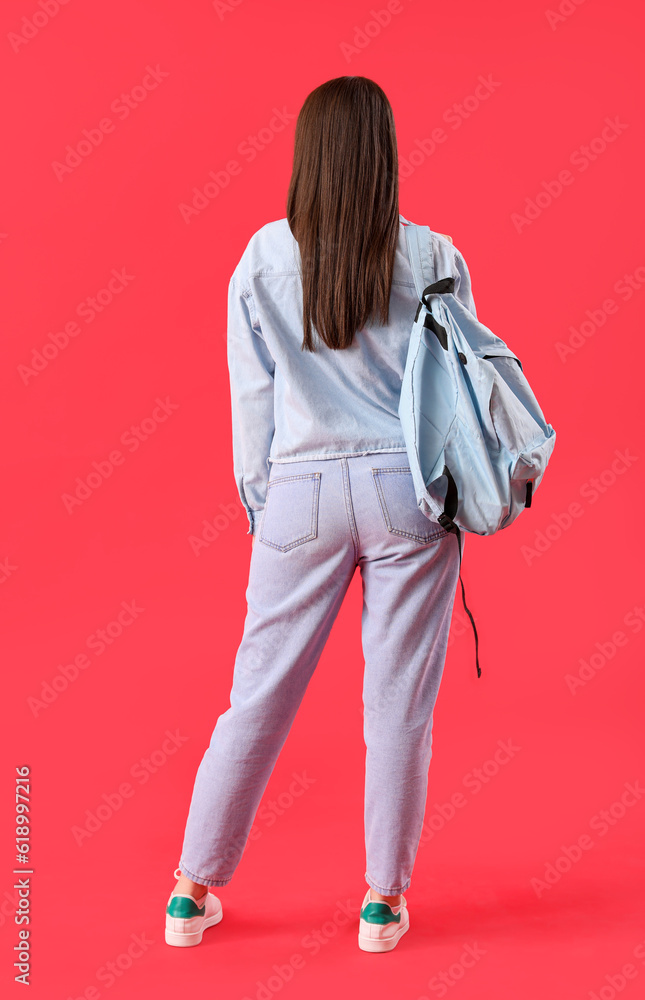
column 292, row 405
column 322, row 518
column 322, row 471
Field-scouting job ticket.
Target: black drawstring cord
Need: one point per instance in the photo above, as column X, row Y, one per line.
column 446, row 521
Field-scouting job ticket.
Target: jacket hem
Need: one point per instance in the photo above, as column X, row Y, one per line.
column 334, row 454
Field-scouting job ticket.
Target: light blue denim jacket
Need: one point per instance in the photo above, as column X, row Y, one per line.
column 290, row 405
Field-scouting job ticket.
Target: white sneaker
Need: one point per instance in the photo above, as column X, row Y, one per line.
column 186, row 921
column 381, row 926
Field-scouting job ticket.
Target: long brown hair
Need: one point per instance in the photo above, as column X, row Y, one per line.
column 343, row 207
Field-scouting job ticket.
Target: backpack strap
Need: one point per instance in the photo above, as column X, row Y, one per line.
column 419, row 243
column 419, row 246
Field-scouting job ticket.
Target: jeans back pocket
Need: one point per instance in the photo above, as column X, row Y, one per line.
column 290, row 515
column 398, row 501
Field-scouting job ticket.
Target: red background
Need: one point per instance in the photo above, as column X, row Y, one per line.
column 66, row 574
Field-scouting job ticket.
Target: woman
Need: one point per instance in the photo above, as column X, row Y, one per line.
column 320, row 310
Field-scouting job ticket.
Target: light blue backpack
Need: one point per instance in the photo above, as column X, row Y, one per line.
column 476, row 438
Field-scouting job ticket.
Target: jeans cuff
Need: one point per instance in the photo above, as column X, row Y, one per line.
column 201, row 880
column 384, row 891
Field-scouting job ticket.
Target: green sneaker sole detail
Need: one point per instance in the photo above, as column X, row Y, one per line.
column 179, row 906
column 375, row 912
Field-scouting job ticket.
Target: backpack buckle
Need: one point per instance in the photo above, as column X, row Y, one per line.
column 447, row 522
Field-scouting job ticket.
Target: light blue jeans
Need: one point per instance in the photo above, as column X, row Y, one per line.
column 321, row 519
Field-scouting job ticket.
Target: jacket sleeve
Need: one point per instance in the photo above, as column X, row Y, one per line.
column 463, row 290
column 251, row 370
